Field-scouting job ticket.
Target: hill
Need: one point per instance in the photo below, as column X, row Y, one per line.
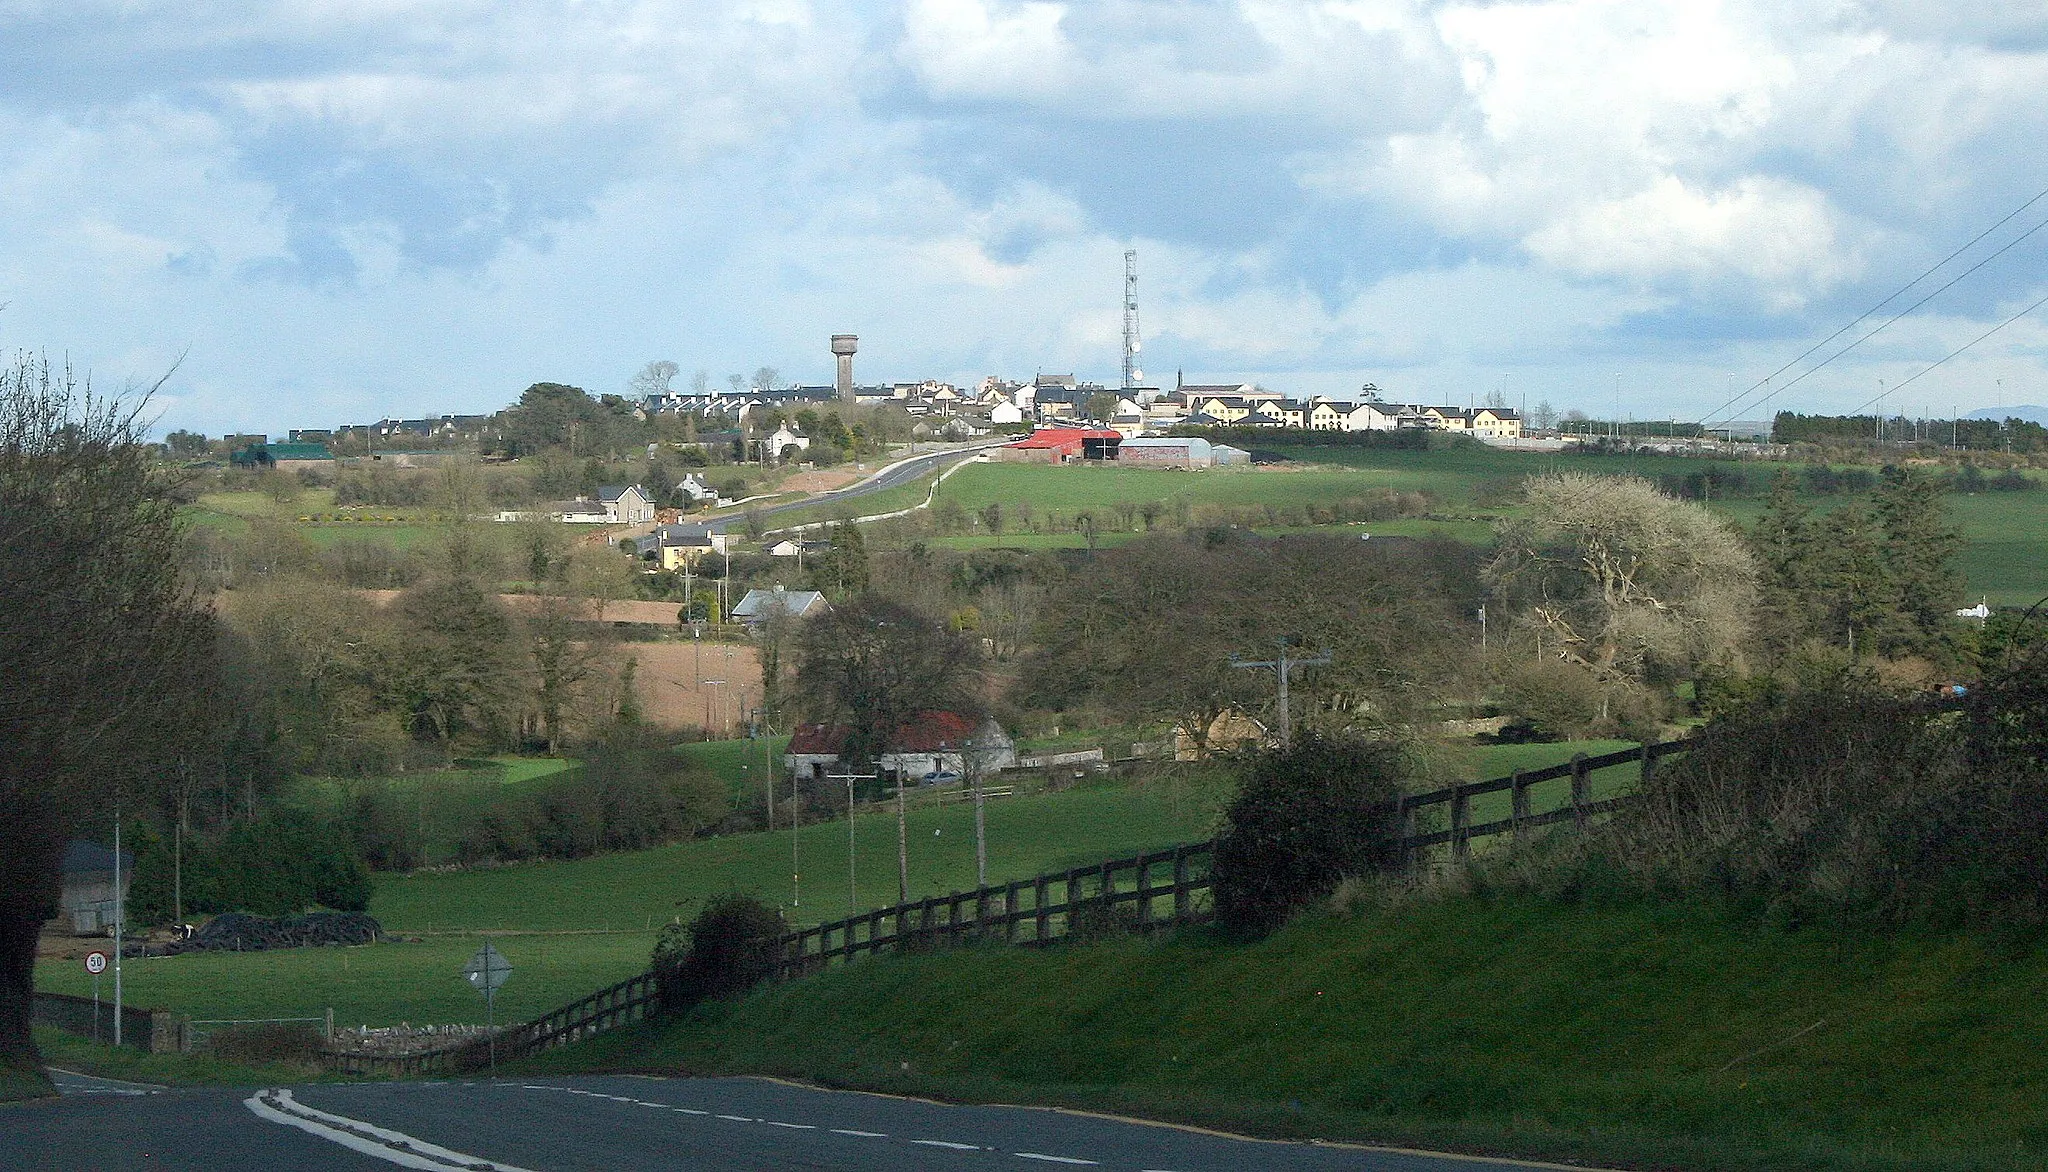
column 1668, row 1035
column 2028, row 412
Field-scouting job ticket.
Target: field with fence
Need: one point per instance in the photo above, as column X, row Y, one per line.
column 571, row 927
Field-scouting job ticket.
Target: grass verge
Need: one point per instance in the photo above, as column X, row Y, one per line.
column 1636, row 1034
column 132, row 1065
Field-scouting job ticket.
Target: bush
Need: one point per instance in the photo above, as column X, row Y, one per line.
column 1305, row 819
column 631, row 793
column 1845, row 799
column 729, row 948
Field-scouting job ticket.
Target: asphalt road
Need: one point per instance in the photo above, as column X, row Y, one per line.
column 917, row 468
column 615, row 1124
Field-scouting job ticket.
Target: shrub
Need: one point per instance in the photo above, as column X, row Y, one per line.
column 1305, row 819
column 1842, row 797
column 729, row 948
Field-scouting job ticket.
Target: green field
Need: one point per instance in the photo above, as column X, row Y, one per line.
column 443, row 804
column 571, row 927
column 739, row 763
column 1615, row 1034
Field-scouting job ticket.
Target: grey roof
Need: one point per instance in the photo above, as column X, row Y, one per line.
column 760, row 603
column 612, row 492
column 81, row 857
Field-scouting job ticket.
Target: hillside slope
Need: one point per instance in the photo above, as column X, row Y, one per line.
column 1643, row 1035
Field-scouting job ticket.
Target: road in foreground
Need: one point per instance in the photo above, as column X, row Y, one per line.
column 617, row 1124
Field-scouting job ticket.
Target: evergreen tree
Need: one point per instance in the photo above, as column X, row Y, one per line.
column 1920, row 550
column 843, row 572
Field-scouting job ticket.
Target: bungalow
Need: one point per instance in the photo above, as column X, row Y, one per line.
column 930, row 742
column 790, row 547
column 761, row 605
column 785, row 444
column 625, row 504
column 693, row 491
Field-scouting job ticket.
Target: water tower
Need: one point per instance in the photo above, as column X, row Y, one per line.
column 843, row 346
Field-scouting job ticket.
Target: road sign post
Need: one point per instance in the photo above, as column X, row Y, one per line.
column 95, row 963
column 485, row 971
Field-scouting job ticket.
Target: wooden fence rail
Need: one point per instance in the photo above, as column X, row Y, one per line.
column 1140, row 892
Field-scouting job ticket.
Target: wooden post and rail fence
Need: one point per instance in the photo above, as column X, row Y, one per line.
column 1140, row 892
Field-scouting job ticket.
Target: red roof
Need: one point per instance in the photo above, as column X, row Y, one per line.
column 1066, row 437
column 927, row 732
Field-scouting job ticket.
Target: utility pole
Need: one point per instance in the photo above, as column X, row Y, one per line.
column 970, row 760
column 902, row 845
column 852, row 882
column 119, row 916
column 1283, row 667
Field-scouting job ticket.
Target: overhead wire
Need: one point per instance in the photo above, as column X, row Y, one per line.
column 1953, row 353
column 1895, row 295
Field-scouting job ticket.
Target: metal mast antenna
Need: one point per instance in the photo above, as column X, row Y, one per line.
column 1284, row 667
column 1132, row 375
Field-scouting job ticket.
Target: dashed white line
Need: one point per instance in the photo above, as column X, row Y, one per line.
column 382, row 1143
column 791, row 1126
column 862, row 1134
column 1056, row 1159
column 944, row 1143
column 739, row 1118
column 689, row 1111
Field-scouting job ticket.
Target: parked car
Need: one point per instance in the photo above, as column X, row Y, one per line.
column 940, row 777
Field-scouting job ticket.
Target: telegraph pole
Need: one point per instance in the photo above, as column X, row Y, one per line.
column 1283, row 667
column 852, row 883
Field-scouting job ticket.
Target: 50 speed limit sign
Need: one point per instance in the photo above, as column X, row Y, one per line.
column 95, row 963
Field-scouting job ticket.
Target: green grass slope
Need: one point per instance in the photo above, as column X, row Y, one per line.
column 1665, row 1036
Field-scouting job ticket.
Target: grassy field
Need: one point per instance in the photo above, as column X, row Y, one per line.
column 444, row 803
column 570, row 927
column 1624, row 1034
column 739, row 763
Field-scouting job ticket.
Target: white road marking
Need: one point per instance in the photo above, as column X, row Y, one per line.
column 1056, row 1159
column 393, row 1147
column 689, row 1111
column 791, row 1126
column 941, row 1143
column 862, row 1134
column 739, row 1118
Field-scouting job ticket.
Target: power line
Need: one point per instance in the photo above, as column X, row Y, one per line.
column 1895, row 295
column 1958, row 350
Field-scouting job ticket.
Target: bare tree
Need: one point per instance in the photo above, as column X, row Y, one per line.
column 92, row 619
column 766, row 378
column 1623, row 580
column 654, row 378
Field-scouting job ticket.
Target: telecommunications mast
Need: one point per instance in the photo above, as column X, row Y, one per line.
column 1132, row 375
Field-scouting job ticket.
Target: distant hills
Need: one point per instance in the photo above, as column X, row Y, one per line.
column 2030, row 413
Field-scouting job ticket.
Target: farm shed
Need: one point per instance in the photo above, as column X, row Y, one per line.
column 1061, row 445
column 1168, row 452
column 930, row 742
column 88, row 899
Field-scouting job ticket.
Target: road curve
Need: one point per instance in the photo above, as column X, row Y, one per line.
column 905, row 471
column 623, row 1124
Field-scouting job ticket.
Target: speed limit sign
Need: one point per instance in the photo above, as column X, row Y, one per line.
column 95, row 963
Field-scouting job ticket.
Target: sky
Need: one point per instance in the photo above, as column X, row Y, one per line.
column 320, row 212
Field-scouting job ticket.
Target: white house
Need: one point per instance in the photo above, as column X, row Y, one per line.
column 1005, row 412
column 694, row 491
column 785, row 442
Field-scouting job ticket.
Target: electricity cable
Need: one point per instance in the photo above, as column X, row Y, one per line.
column 1958, row 350
column 1895, row 295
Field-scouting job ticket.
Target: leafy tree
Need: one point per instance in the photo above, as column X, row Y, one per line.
column 872, row 664
column 1100, row 406
column 1306, row 818
column 552, row 415
column 842, row 573
column 92, row 618
column 992, row 517
column 188, row 445
column 450, row 671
